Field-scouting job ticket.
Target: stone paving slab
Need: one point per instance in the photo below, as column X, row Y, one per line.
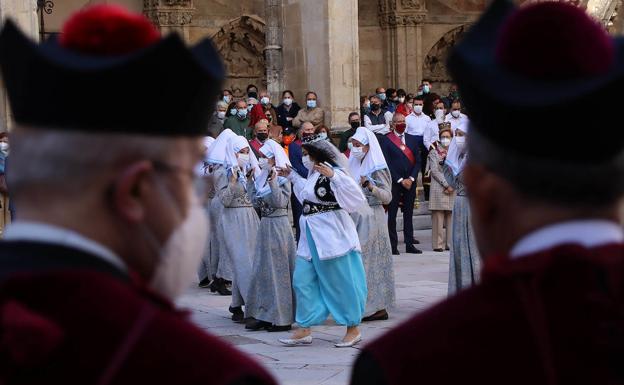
column 421, row 280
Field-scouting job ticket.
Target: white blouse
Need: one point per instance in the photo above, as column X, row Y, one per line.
column 333, row 232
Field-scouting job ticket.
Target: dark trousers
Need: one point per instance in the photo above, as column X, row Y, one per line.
column 297, row 209
column 400, row 194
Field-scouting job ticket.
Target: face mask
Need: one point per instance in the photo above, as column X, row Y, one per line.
column 322, row 135
column 243, row 160
column 375, row 107
column 264, row 163
column 311, row 103
column 265, row 101
column 287, row 140
column 445, row 141
column 357, row 153
column 367, row 105
column 382, row 97
column 288, row 101
column 350, row 146
column 221, row 115
column 355, row 125
column 242, row 113
column 227, row 99
column 456, row 113
column 426, row 89
column 402, row 99
column 250, row 107
column 418, row 108
column 454, row 95
column 262, row 136
column 252, row 94
column 439, row 115
column 307, row 162
column 399, row 128
column 4, row 146
column 182, row 252
column 461, row 142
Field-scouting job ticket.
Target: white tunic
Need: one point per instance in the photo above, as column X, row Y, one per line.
column 417, row 124
column 333, row 232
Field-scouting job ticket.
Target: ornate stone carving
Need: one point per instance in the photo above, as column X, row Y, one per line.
column 169, row 13
column 418, row 5
column 435, row 62
column 387, row 6
column 393, row 20
column 241, row 43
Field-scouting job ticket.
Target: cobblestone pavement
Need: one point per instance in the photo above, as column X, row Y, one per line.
column 421, row 280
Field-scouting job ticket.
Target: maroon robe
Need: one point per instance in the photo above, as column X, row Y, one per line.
column 67, row 317
column 555, row 317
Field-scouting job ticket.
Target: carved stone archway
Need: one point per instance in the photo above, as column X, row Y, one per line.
column 435, row 61
column 241, row 43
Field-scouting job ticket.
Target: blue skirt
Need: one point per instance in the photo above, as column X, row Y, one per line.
column 336, row 286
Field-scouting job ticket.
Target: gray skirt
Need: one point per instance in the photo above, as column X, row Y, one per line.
column 465, row 261
column 220, row 261
column 271, row 297
column 377, row 257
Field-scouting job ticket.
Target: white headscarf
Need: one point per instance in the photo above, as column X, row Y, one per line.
column 202, row 167
column 374, row 159
column 217, row 151
column 234, row 145
column 456, row 158
column 271, row 149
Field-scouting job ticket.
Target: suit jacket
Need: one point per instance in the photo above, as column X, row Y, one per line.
column 398, row 163
column 67, row 317
column 295, row 155
column 555, row 317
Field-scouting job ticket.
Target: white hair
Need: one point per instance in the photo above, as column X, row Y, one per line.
column 45, row 160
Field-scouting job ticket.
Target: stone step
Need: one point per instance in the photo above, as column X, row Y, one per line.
column 420, row 222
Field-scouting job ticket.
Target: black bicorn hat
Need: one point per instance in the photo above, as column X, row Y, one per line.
column 162, row 88
column 541, row 71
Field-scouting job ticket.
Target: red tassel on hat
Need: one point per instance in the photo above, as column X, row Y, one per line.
column 107, row 30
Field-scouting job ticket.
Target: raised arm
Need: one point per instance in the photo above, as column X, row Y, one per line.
column 228, row 189
column 348, row 193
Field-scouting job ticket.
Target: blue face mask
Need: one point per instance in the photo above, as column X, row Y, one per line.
column 250, row 107
column 311, row 103
column 233, row 111
column 426, row 89
column 322, row 135
column 382, row 97
column 242, row 113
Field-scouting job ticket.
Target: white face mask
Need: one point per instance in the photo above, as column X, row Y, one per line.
column 445, row 141
column 418, row 108
column 307, row 162
column 456, row 113
column 243, row 160
column 4, row 146
column 439, row 115
column 182, row 252
column 358, row 152
column 264, row 100
column 221, row 114
column 323, row 135
column 288, row 101
column 264, row 163
column 402, row 99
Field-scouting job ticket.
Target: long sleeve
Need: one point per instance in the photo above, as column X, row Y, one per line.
column 295, row 155
column 296, row 122
column 318, row 117
column 376, row 128
column 227, row 191
column 434, row 166
column 299, row 184
column 348, row 194
column 448, row 175
column 280, row 195
column 382, row 189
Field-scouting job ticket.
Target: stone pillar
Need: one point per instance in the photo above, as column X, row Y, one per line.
column 24, row 13
column 273, row 49
column 401, row 22
column 170, row 15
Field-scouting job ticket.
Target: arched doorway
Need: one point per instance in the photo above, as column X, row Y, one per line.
column 435, row 61
column 241, row 43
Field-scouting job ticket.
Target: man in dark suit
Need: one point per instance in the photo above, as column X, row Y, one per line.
column 107, row 237
column 402, row 153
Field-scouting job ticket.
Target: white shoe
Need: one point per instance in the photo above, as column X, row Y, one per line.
column 349, row 344
column 307, row 340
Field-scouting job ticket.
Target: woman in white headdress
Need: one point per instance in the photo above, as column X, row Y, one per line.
column 329, row 274
column 239, row 222
column 465, row 261
column 206, row 188
column 369, row 169
column 220, row 263
column 270, row 302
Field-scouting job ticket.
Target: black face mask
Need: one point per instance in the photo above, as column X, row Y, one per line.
column 262, row 136
column 252, row 94
column 355, row 125
column 375, row 107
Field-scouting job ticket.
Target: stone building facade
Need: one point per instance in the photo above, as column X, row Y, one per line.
column 339, row 48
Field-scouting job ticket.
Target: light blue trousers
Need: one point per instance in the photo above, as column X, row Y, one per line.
column 336, row 286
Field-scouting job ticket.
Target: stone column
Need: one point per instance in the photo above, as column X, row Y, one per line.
column 401, row 22
column 273, row 49
column 24, row 13
column 170, row 15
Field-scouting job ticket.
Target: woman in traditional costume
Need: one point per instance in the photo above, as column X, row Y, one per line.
column 368, row 168
column 329, row 274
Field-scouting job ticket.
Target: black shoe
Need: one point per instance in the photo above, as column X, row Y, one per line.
column 255, row 325
column 205, row 283
column 413, row 242
column 410, row 249
column 237, row 314
column 219, row 286
column 438, row 250
column 381, row 315
column 276, row 328
column 447, row 248
column 395, row 252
